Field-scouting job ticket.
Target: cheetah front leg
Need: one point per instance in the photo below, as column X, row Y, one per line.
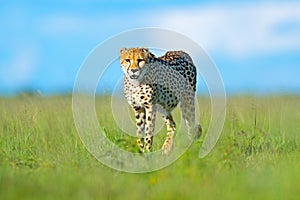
column 149, row 126
column 140, row 116
column 171, row 129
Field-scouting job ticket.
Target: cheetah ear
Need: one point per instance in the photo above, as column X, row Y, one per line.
column 122, row 50
column 146, row 50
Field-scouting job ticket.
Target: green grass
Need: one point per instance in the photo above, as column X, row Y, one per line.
column 257, row 156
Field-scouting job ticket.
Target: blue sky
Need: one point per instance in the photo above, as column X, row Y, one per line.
column 255, row 45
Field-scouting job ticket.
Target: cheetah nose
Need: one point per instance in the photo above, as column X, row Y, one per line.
column 134, row 70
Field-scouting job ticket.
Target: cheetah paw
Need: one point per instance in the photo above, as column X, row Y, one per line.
column 167, row 148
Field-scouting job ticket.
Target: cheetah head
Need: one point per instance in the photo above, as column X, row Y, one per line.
column 133, row 62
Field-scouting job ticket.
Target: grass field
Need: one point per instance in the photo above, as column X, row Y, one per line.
column 257, row 156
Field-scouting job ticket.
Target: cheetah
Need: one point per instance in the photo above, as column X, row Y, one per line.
column 154, row 84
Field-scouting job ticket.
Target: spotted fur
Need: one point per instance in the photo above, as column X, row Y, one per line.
column 154, row 84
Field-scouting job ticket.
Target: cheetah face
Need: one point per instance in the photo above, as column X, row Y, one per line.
column 133, row 62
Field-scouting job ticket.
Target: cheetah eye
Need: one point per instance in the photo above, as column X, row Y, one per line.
column 141, row 62
column 127, row 60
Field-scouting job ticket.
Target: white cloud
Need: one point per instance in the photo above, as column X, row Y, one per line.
column 239, row 30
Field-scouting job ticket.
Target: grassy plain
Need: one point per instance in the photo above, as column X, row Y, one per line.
column 257, row 156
